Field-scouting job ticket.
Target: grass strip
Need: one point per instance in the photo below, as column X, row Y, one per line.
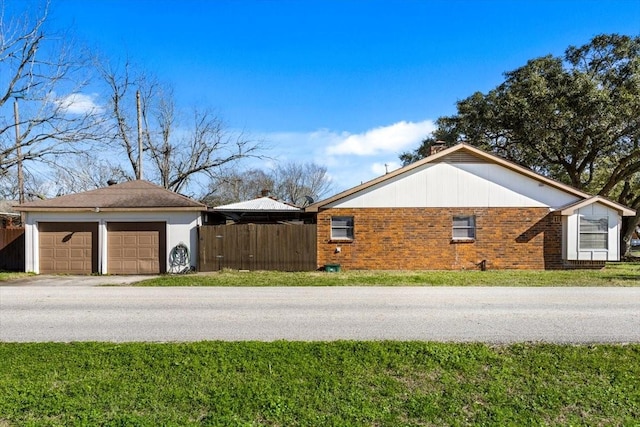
column 618, row 274
column 11, row 275
column 323, row 383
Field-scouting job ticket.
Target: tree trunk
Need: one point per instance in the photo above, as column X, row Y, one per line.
column 629, row 225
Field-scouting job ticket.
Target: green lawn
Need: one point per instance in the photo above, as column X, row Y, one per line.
column 615, row 274
column 318, row 384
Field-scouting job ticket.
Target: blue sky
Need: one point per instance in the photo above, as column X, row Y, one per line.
column 347, row 84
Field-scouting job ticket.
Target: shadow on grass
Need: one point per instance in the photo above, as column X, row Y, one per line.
column 634, row 277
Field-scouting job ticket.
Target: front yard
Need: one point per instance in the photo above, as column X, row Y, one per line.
column 615, row 274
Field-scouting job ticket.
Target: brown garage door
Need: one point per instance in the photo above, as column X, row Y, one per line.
column 70, row 248
column 136, row 248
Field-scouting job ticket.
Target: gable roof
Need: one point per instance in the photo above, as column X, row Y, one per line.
column 127, row 196
column 622, row 210
column 261, row 204
column 460, row 153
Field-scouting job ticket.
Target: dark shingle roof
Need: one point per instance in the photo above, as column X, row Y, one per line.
column 136, row 195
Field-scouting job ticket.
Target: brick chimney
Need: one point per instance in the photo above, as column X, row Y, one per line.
column 436, row 147
column 265, row 192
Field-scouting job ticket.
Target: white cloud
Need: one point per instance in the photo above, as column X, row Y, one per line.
column 79, row 103
column 385, row 139
column 350, row 158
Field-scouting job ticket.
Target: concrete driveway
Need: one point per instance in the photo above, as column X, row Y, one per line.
column 70, row 280
column 460, row 314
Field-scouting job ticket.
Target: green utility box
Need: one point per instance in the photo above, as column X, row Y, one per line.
column 332, row 268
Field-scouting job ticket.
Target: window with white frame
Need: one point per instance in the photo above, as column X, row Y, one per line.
column 594, row 232
column 342, row 227
column 464, row 227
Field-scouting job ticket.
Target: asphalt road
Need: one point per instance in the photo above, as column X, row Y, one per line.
column 487, row 314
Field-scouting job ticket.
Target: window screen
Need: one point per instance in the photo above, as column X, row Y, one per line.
column 342, row 227
column 464, row 227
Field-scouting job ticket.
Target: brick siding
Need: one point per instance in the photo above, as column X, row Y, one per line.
column 421, row 239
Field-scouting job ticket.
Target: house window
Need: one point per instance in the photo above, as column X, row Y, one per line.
column 464, row 227
column 594, row 233
column 342, row 227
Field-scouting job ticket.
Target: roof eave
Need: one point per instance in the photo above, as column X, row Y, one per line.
column 99, row 209
column 621, row 209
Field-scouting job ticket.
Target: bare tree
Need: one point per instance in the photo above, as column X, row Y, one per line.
column 36, row 185
column 301, row 183
column 84, row 173
column 43, row 79
column 296, row 183
column 179, row 150
column 233, row 186
column 122, row 85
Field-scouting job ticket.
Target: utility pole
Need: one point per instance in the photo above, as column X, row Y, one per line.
column 139, row 174
column 18, row 152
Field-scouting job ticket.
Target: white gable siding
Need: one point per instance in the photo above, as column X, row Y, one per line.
column 572, row 224
column 181, row 228
column 458, row 185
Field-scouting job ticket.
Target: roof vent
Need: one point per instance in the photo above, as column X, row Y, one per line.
column 112, row 182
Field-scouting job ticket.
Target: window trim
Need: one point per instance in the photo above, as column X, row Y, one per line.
column 350, row 236
column 605, row 232
column 471, row 227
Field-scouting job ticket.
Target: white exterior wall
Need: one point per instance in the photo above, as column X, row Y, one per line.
column 181, row 228
column 572, row 224
column 459, row 185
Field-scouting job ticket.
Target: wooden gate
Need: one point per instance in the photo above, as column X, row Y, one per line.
column 12, row 249
column 257, row 247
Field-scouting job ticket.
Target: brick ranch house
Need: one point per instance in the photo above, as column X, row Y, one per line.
column 462, row 208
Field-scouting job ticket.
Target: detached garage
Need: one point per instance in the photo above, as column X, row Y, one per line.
column 131, row 228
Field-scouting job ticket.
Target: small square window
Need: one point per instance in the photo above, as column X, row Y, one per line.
column 342, row 227
column 464, row 227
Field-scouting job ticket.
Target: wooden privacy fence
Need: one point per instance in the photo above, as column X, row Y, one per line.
column 279, row 247
column 12, row 249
